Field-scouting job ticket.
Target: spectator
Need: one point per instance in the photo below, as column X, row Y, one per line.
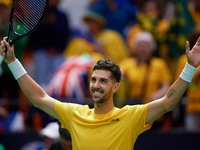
column 149, row 19
column 119, row 14
column 149, row 68
column 64, row 142
column 50, row 133
column 148, row 77
column 107, row 42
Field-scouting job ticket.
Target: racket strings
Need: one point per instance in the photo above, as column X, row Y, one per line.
column 25, row 19
column 27, row 15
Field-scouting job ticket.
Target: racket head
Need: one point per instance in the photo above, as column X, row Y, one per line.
column 25, row 17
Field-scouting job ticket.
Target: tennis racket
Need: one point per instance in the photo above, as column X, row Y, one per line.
column 25, row 16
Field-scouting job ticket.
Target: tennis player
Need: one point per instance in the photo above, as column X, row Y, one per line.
column 105, row 126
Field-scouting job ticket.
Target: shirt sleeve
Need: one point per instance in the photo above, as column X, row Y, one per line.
column 64, row 112
column 138, row 115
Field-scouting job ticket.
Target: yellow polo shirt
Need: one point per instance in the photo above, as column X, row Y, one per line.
column 157, row 73
column 117, row 129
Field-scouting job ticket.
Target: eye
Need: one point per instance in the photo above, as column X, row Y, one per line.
column 103, row 80
column 93, row 79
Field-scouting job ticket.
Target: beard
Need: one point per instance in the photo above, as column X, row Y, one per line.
column 101, row 99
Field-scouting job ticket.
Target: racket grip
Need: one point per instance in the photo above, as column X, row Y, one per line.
column 1, row 58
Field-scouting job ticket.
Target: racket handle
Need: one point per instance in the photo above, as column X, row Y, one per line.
column 1, row 59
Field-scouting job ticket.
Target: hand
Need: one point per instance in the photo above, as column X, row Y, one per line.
column 193, row 56
column 9, row 55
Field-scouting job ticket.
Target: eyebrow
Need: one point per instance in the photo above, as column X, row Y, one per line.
column 105, row 79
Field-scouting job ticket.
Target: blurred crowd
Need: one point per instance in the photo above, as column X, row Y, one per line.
column 145, row 37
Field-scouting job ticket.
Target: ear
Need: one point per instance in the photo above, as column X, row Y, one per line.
column 115, row 87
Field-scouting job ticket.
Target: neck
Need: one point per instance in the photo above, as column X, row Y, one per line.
column 105, row 107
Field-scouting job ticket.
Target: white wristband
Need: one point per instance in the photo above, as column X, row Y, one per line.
column 188, row 73
column 17, row 69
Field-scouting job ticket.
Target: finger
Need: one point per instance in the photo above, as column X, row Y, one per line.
column 2, row 45
column 187, row 49
column 5, row 38
column 6, row 43
column 2, row 49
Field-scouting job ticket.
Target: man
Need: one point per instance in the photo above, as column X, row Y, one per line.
column 64, row 143
column 105, row 126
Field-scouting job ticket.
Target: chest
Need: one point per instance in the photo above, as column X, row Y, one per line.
column 105, row 135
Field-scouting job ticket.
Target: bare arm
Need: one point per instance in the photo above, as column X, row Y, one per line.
column 167, row 103
column 37, row 95
column 31, row 89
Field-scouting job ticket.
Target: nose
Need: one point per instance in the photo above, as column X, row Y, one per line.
column 96, row 85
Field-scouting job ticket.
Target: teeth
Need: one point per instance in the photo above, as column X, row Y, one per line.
column 97, row 92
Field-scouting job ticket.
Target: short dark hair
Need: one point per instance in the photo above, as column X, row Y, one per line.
column 64, row 133
column 106, row 64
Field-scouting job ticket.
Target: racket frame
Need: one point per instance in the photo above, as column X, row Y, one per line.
column 11, row 29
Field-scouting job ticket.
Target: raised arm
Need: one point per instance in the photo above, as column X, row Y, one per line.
column 30, row 88
column 167, row 103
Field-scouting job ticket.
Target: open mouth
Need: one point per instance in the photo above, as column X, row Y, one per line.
column 97, row 93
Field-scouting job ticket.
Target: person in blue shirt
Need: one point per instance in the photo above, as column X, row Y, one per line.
column 118, row 13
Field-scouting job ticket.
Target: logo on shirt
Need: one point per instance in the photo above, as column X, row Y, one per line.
column 115, row 120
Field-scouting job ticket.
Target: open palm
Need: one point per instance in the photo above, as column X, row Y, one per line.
column 193, row 56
